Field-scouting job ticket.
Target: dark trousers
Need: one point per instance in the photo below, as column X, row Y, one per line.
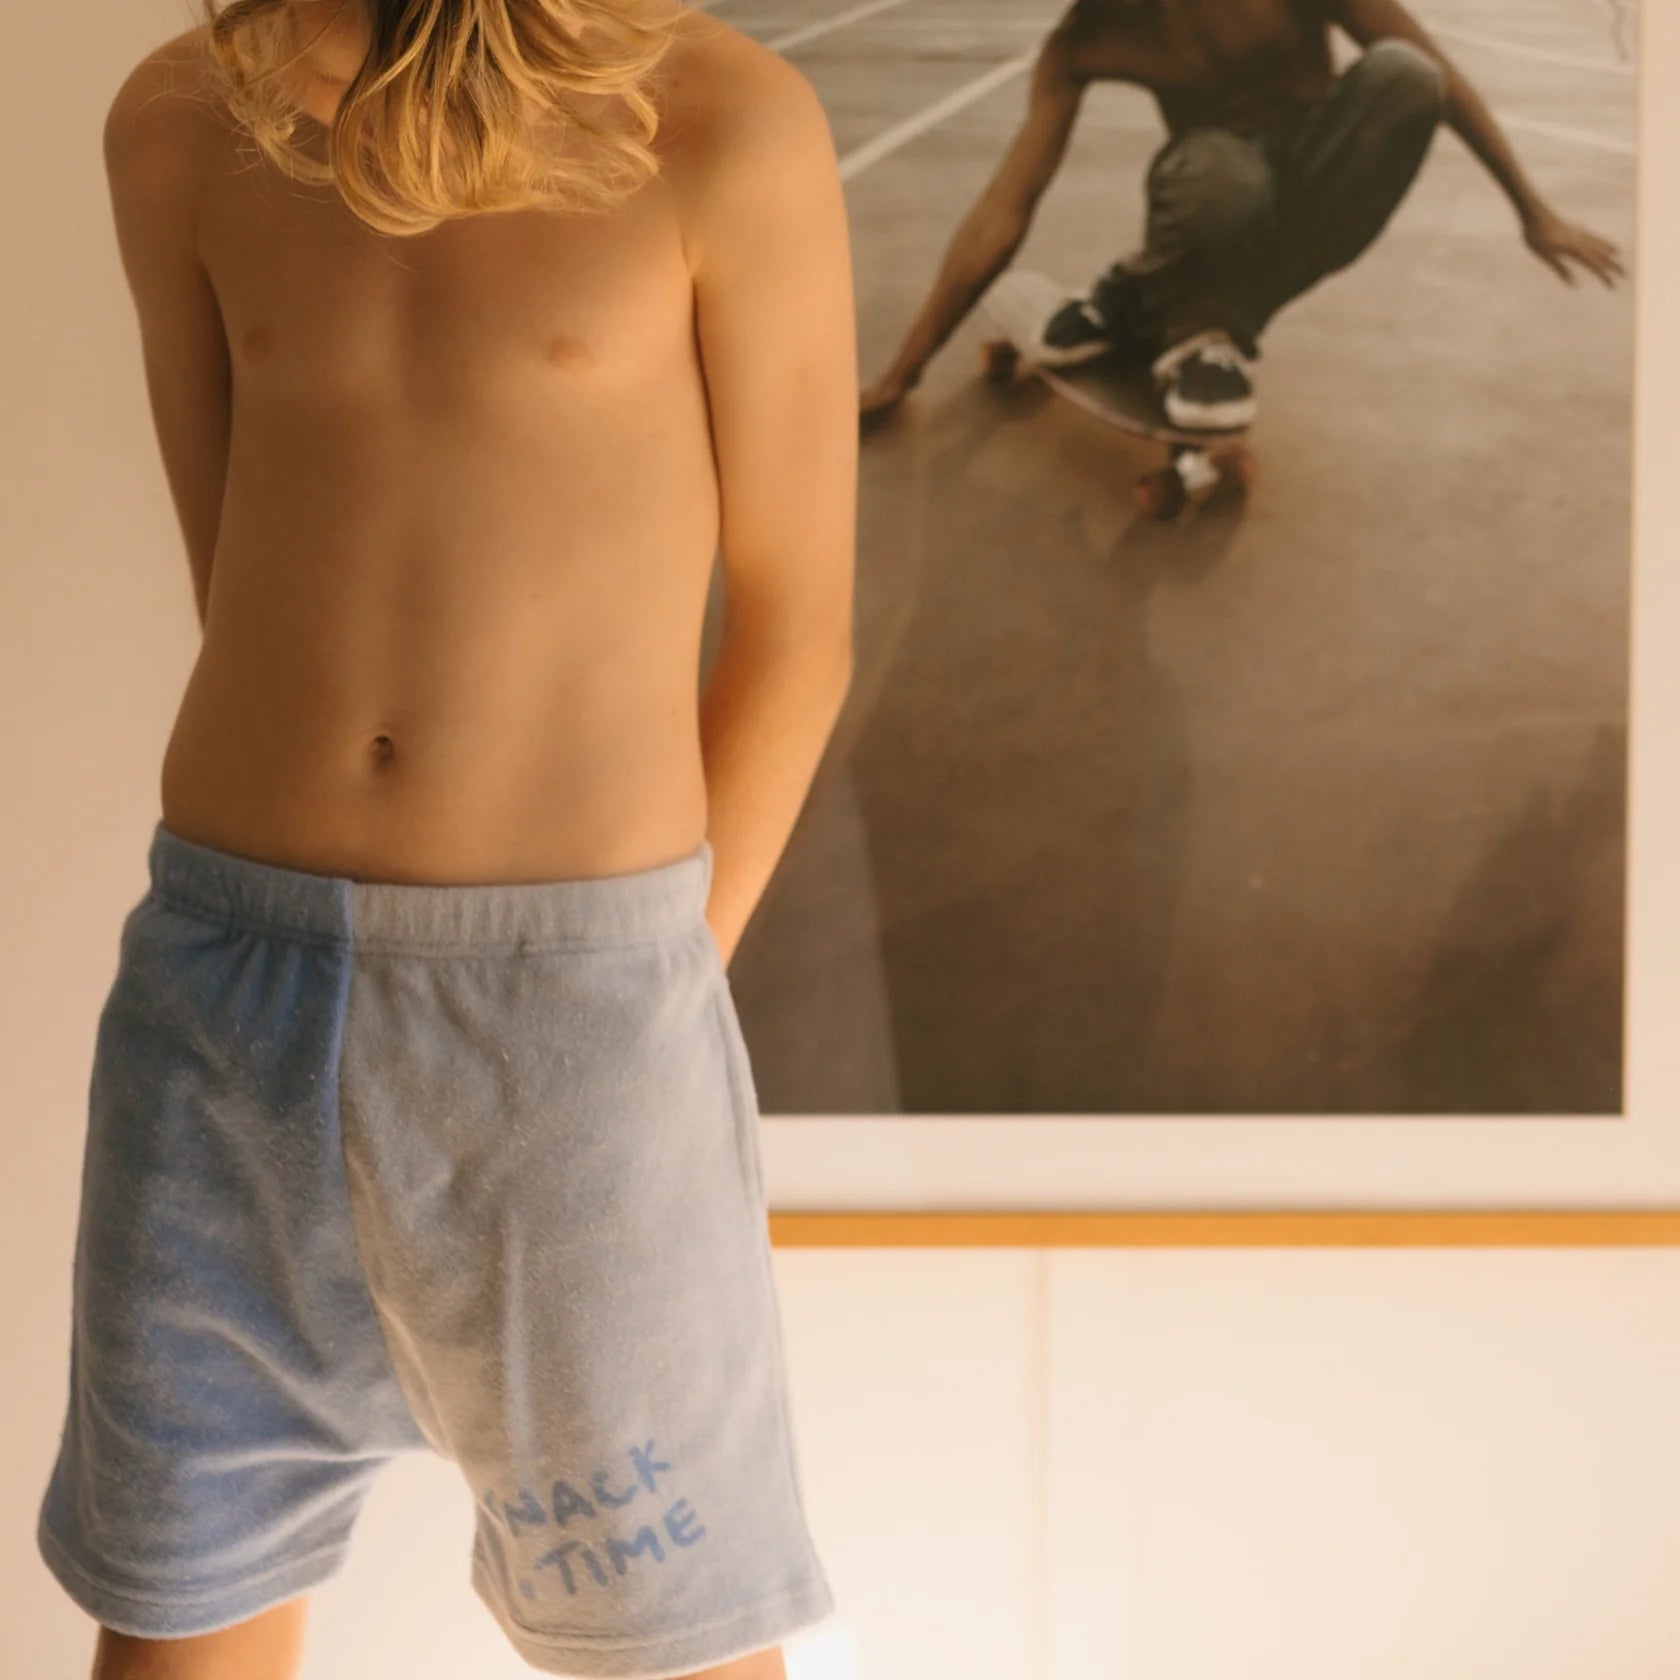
column 1239, row 225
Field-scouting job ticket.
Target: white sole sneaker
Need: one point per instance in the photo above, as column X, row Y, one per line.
column 1208, row 417
column 1065, row 355
column 1043, row 354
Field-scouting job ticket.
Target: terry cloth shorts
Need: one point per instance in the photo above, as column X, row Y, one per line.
column 372, row 1167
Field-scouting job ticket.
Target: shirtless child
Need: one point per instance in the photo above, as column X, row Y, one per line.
column 420, row 1112
column 1276, row 173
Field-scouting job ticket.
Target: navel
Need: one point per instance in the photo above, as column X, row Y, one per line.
column 383, row 750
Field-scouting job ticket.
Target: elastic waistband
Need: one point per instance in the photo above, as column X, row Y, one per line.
column 669, row 898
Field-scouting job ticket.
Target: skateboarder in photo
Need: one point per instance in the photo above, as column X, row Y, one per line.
column 1277, row 171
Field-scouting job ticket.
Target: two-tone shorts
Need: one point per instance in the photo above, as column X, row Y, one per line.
column 375, row 1168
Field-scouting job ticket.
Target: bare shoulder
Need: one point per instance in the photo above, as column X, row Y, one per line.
column 737, row 118
column 165, row 119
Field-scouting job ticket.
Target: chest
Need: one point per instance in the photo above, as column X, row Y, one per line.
column 318, row 306
column 1207, row 44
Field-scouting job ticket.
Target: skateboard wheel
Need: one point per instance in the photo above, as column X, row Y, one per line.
column 1239, row 469
column 999, row 361
column 1160, row 495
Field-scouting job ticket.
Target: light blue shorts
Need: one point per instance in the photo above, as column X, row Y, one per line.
column 377, row 1167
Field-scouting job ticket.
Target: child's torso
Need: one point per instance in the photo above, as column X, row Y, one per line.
column 468, row 528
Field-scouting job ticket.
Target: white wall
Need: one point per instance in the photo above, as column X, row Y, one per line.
column 1151, row 1466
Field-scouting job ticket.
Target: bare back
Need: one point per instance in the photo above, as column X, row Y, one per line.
column 468, row 525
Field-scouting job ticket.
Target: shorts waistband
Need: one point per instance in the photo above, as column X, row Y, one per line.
column 668, row 898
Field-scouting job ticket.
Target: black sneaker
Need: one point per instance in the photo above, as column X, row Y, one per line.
column 1074, row 334
column 1205, row 385
column 1119, row 299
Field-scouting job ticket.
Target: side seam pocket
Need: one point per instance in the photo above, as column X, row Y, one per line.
column 743, row 1092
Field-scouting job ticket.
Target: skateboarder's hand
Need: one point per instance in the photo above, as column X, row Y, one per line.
column 876, row 401
column 1558, row 243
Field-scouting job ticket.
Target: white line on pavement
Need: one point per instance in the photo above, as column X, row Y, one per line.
column 1579, row 136
column 894, row 139
column 1518, row 49
column 812, row 30
column 901, row 134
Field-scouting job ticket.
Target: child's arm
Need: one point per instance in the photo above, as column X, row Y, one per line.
column 153, row 135
column 765, row 228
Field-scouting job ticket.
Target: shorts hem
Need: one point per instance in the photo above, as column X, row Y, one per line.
column 147, row 1614
column 669, row 1655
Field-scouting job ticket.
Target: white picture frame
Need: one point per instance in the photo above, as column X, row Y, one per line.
column 1612, row 1178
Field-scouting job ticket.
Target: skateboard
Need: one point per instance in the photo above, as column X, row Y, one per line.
column 1200, row 464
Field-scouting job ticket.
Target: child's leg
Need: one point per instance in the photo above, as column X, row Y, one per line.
column 270, row 1646
column 230, row 1399
column 263, row 1647
column 761, row 1665
column 551, row 1139
column 504, row 1136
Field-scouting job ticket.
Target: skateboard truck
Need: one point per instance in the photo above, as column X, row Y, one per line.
column 1196, row 470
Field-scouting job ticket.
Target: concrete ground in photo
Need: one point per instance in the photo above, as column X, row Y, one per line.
column 1309, row 805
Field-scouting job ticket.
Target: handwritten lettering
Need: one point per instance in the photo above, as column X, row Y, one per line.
column 613, row 1501
column 577, row 1561
column 528, row 1511
column 675, row 1523
column 568, row 1502
column 646, row 1464
column 621, row 1551
column 560, row 1557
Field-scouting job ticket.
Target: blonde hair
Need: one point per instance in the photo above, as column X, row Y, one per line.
column 435, row 123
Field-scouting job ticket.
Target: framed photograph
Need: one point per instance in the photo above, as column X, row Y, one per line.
column 1250, row 818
